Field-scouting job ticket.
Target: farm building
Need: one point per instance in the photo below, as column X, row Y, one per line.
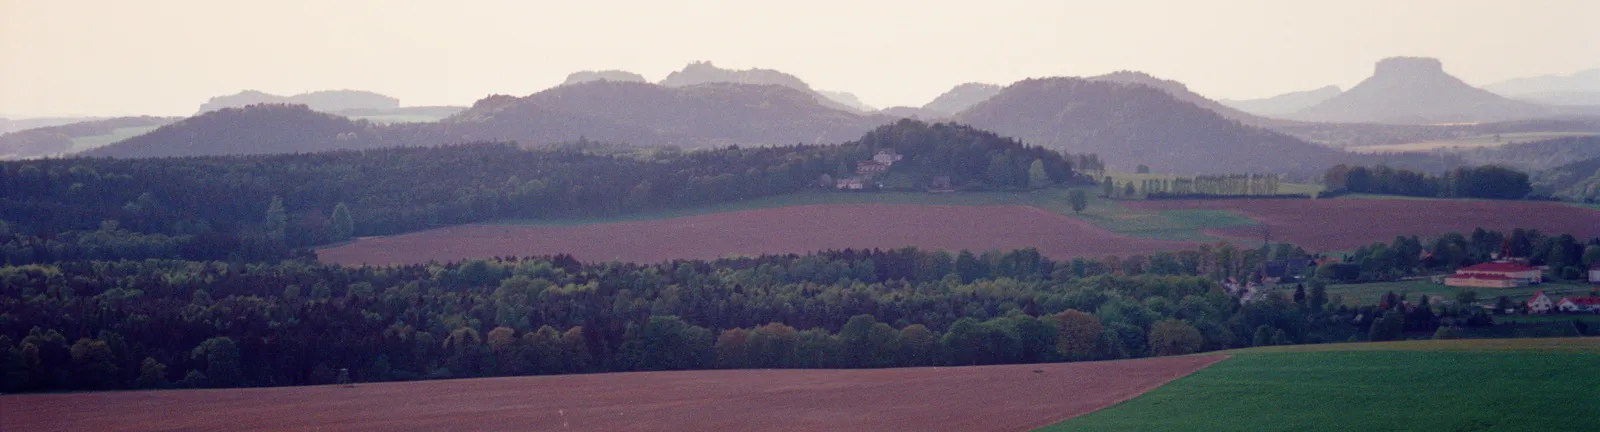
column 887, row 157
column 1579, row 304
column 1540, row 303
column 1494, row 275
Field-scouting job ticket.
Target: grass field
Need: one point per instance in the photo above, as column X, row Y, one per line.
column 1532, row 385
column 1181, row 225
column 1369, row 293
column 1464, row 143
column 91, row 142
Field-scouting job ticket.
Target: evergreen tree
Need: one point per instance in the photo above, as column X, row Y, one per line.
column 342, row 224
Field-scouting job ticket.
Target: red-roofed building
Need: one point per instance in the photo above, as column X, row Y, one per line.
column 1480, row 281
column 1579, row 304
column 1494, row 275
column 1540, row 303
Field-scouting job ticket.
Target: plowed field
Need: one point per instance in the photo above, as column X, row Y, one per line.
column 796, row 229
column 987, row 398
column 1344, row 224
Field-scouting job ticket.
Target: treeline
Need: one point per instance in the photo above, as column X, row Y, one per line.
column 1566, row 255
column 198, row 208
column 1230, row 185
column 1488, row 181
column 158, row 323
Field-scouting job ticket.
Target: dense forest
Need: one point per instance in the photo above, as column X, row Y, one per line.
column 164, row 323
column 1489, row 181
column 1577, row 181
column 261, row 207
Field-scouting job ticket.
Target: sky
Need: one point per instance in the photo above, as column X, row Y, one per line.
column 166, row 57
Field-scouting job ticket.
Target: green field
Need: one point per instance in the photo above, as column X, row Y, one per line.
column 1369, row 293
column 1458, row 385
column 1464, row 143
column 92, row 142
column 1109, row 214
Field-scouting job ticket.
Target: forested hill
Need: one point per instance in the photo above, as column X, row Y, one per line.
column 59, row 139
column 1576, row 181
column 1129, row 124
column 255, row 129
column 1181, row 92
column 206, row 206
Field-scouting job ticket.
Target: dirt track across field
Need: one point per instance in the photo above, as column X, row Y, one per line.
column 985, row 398
column 1344, row 224
column 797, row 229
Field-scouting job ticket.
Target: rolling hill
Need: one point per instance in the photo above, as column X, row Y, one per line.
column 1284, row 104
column 68, row 138
column 1416, row 90
column 1130, row 124
column 325, row 101
column 704, row 72
column 254, row 129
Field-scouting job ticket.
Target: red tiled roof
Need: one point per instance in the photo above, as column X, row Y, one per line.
column 1586, row 301
column 1478, row 276
column 1498, row 268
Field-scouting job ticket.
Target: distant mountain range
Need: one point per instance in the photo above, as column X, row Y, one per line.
column 325, row 101
column 704, row 115
column 1130, row 123
column 706, row 73
column 1416, row 90
column 1284, row 104
column 1581, row 88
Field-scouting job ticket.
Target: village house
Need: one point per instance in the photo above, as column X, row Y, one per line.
column 887, row 157
column 1540, row 303
column 852, row 183
column 1594, row 274
column 1579, row 305
column 1494, row 275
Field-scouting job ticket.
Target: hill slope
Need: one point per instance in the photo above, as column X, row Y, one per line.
column 1576, row 181
column 52, row 140
column 1581, row 88
column 254, row 129
column 1182, row 93
column 1415, row 90
column 1284, row 104
column 325, row 101
column 1129, row 124
column 961, row 97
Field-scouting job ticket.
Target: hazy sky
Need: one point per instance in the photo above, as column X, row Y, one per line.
column 113, row 57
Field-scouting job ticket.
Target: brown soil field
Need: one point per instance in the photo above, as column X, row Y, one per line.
column 797, row 229
column 984, row 398
column 1344, row 224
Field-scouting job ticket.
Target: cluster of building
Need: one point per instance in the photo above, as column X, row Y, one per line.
column 1541, row 304
column 868, row 169
column 1503, row 274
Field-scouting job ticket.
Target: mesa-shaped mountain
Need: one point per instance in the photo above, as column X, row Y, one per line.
column 959, row 98
column 580, row 77
column 326, row 101
column 1284, row 104
column 703, row 72
column 1580, row 88
column 61, row 139
column 1416, row 90
column 1129, row 124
